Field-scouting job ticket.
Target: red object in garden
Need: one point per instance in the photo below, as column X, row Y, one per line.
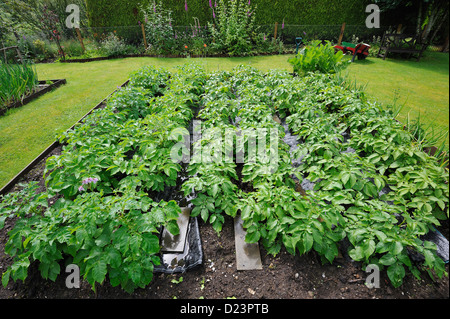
column 361, row 49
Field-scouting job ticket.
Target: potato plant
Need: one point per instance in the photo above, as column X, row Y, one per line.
column 112, row 167
column 389, row 190
column 373, row 186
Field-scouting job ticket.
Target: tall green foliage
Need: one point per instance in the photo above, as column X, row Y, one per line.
column 16, row 80
column 233, row 27
column 317, row 57
column 158, row 25
column 304, row 12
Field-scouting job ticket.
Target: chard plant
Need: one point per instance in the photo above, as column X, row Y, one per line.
column 317, row 57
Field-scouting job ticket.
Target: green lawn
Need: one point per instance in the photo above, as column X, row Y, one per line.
column 421, row 87
column 27, row 131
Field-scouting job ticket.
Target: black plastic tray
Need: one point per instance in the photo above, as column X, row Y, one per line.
column 191, row 257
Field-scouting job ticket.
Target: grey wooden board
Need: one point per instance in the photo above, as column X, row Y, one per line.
column 175, row 244
column 248, row 256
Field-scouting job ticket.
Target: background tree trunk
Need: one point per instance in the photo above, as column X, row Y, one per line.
column 419, row 18
column 444, row 18
column 437, row 14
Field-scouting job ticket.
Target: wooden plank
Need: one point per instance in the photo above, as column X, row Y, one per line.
column 175, row 244
column 248, row 256
column 145, row 38
column 276, row 29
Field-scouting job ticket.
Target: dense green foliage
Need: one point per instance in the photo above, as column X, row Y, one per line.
column 108, row 176
column 375, row 191
column 317, row 57
column 103, row 13
column 380, row 198
column 159, row 29
column 16, row 81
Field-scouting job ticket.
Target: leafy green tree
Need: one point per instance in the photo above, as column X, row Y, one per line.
column 29, row 15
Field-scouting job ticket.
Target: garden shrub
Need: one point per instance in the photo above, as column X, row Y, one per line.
column 43, row 50
column 72, row 48
column 233, row 27
column 158, row 27
column 317, row 57
column 112, row 46
column 307, row 18
column 265, row 45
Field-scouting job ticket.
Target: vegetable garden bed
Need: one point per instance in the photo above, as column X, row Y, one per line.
column 114, row 184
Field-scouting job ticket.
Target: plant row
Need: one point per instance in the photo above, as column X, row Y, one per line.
column 364, row 164
column 107, row 187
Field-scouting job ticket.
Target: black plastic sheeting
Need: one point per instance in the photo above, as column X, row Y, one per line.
column 191, row 257
column 441, row 243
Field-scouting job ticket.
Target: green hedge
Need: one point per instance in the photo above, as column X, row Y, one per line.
column 107, row 13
